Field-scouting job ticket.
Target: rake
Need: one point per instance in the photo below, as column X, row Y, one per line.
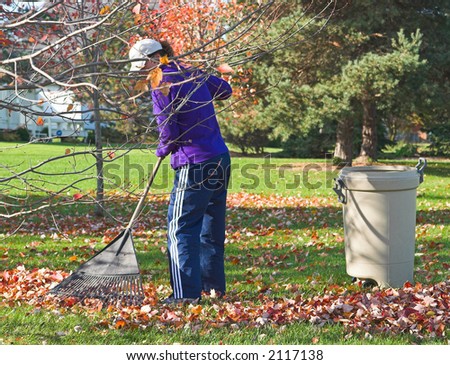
column 112, row 275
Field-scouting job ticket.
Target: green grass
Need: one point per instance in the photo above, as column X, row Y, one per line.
column 274, row 250
column 76, row 162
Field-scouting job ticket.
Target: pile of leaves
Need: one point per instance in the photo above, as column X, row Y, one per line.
column 420, row 310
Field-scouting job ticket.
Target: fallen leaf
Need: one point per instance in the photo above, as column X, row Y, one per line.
column 120, row 324
column 197, row 309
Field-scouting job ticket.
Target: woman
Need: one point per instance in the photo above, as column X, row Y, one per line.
column 189, row 132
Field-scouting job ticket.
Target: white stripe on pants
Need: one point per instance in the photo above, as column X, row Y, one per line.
column 173, row 227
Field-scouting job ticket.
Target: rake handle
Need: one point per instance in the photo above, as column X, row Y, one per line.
column 140, row 205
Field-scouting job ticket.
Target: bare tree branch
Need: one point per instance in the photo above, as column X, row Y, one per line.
column 83, row 51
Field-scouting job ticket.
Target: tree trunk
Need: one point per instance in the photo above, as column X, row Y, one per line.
column 344, row 141
column 93, row 53
column 369, row 132
column 99, row 208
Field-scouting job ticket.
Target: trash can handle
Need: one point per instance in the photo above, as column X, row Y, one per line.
column 338, row 187
column 420, row 167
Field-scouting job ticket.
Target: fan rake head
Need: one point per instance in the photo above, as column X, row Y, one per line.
column 112, row 275
column 109, row 289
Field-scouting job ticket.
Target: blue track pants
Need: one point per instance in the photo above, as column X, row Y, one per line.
column 196, row 227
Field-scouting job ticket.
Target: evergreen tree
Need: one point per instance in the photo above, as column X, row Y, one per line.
column 348, row 72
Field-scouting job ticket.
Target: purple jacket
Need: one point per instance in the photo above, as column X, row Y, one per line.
column 184, row 110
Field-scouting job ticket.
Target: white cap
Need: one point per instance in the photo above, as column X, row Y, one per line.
column 142, row 49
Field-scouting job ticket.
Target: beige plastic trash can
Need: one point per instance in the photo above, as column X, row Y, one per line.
column 379, row 212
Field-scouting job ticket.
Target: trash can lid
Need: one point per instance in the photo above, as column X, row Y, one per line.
column 379, row 178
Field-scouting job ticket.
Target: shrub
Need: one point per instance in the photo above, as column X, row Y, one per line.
column 23, row 134
column 246, row 135
column 401, row 149
column 9, row 135
column 440, row 141
column 317, row 143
